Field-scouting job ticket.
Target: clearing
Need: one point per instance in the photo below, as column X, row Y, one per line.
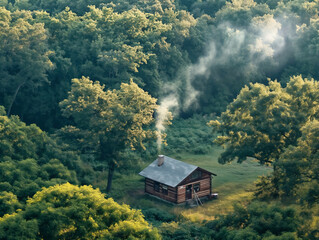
column 234, row 183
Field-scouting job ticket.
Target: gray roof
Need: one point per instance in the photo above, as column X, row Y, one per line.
column 171, row 173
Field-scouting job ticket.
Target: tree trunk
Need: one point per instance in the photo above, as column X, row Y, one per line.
column 110, row 177
column 14, row 98
column 275, row 180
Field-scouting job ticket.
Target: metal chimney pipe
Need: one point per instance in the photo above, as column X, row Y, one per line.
column 160, row 160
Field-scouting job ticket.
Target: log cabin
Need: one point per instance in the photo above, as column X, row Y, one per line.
column 176, row 181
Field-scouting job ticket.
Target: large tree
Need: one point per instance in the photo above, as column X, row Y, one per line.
column 264, row 120
column 24, row 55
column 109, row 121
column 299, row 165
column 70, row 212
column 29, row 160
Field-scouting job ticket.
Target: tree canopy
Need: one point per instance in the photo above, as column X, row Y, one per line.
column 264, row 120
column 24, row 55
column 71, row 212
column 207, row 54
column 154, row 43
column 29, row 160
column 299, row 165
column 112, row 120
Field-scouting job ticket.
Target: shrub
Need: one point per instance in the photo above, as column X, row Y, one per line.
column 190, row 135
column 157, row 216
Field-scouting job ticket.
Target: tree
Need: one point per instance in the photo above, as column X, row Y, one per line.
column 29, row 160
column 259, row 220
column 8, row 203
column 19, row 141
column 24, row 55
column 184, row 229
column 110, row 47
column 109, row 121
column 307, row 50
column 240, row 12
column 264, row 120
column 71, row 212
column 299, row 165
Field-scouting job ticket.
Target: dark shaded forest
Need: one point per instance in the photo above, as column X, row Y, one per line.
column 92, row 90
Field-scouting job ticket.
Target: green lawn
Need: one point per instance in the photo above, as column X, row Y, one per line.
column 233, row 183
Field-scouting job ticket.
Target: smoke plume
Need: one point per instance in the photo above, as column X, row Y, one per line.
column 231, row 61
column 164, row 116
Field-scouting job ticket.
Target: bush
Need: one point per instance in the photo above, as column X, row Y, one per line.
column 190, row 135
column 157, row 216
column 70, row 212
column 8, row 203
column 258, row 220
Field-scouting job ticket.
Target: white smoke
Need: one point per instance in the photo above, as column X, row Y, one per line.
column 170, row 103
column 164, row 116
column 269, row 40
column 262, row 39
column 193, row 71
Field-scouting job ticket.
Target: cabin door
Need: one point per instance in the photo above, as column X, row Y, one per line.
column 189, row 191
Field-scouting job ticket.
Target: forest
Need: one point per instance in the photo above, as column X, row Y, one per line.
column 91, row 91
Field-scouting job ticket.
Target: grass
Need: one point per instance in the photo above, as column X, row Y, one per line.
column 234, row 183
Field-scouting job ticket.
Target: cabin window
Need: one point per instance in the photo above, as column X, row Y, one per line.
column 196, row 175
column 196, row 187
column 156, row 186
column 164, row 189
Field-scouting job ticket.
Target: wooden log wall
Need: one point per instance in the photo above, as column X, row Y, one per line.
column 172, row 192
column 178, row 194
column 189, row 178
column 205, row 189
column 181, row 194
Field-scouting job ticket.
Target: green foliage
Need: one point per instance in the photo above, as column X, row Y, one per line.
column 299, row 165
column 157, row 216
column 8, row 203
column 107, row 45
column 151, row 42
column 29, row 160
column 265, row 187
column 16, row 226
column 70, row 212
column 184, row 230
column 45, row 44
column 240, row 12
column 122, row 112
column 190, row 135
column 24, row 57
column 19, row 141
column 24, row 178
column 111, row 120
column 209, row 7
column 264, row 120
column 258, row 221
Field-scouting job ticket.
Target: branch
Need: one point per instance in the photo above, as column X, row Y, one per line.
column 14, row 97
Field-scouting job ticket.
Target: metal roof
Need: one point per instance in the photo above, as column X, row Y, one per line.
column 171, row 173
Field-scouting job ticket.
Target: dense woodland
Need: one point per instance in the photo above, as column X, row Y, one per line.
column 86, row 88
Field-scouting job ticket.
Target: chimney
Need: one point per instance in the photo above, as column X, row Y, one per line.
column 160, row 160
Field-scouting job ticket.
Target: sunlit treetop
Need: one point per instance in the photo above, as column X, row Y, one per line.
column 71, row 212
column 263, row 120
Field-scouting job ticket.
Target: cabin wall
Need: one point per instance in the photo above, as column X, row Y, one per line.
column 171, row 191
column 178, row 194
column 204, row 182
column 189, row 178
column 181, row 194
column 205, row 189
